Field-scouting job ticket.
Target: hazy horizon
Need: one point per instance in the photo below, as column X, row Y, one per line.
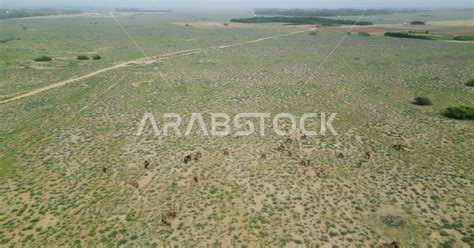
column 240, row 4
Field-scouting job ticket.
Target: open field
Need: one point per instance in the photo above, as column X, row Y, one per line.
column 72, row 167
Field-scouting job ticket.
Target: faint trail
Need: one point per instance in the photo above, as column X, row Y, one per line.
column 337, row 46
column 129, row 36
column 142, row 61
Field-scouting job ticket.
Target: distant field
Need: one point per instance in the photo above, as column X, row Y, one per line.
column 72, row 167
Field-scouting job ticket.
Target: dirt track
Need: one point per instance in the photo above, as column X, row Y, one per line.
column 142, row 61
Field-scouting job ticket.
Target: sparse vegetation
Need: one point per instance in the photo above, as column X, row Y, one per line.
column 73, row 172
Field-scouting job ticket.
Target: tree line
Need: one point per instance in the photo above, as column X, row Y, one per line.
column 19, row 13
column 332, row 12
column 301, row 21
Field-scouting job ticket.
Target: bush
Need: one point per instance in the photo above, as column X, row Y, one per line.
column 313, row 33
column 96, row 57
column 417, row 23
column 464, row 38
column 82, row 57
column 43, row 58
column 364, row 34
column 460, row 113
column 422, row 101
column 470, row 83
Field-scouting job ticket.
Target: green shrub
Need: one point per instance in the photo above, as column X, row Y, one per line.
column 422, row 101
column 364, row 34
column 460, row 113
column 96, row 57
column 313, row 33
column 43, row 58
column 470, row 83
column 82, row 57
column 464, row 38
column 405, row 35
column 417, row 23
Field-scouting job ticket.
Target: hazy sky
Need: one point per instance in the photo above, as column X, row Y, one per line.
column 243, row 3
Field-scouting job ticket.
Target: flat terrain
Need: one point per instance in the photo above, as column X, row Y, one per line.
column 66, row 120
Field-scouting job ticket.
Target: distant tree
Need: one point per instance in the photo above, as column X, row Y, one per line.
column 422, row 101
column 96, row 57
column 364, row 34
column 226, row 24
column 82, row 57
column 460, row 113
column 301, row 20
column 417, row 23
column 313, row 33
column 405, row 35
column 43, row 58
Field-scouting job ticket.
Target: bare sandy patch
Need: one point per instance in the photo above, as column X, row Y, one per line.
column 453, row 23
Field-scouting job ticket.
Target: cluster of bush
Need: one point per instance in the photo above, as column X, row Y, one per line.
column 405, row 35
column 44, row 58
column 301, row 21
column 459, row 112
column 85, row 57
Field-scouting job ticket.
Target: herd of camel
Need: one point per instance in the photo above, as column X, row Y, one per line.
column 168, row 216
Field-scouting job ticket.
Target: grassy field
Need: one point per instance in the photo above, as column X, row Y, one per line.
column 55, row 144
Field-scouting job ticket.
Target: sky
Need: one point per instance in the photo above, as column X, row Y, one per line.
column 242, row 3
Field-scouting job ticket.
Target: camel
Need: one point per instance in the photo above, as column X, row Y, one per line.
column 197, row 156
column 146, row 164
column 188, row 158
column 134, row 184
column 397, row 147
column 167, row 217
column 368, row 155
column 305, row 163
